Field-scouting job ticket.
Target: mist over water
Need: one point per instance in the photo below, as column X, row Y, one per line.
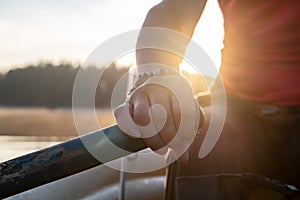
column 24, row 130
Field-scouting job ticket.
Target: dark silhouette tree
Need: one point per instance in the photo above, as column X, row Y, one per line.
column 49, row 85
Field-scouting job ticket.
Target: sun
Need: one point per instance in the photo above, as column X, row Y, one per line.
column 126, row 60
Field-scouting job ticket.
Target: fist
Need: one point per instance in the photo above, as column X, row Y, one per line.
column 163, row 112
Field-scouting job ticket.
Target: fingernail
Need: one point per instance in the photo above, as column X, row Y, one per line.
column 135, row 133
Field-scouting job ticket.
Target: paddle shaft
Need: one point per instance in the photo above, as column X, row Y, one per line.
column 64, row 159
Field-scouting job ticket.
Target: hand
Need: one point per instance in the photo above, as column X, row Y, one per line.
column 140, row 103
column 164, row 113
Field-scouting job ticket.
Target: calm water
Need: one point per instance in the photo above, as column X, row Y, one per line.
column 13, row 146
column 24, row 130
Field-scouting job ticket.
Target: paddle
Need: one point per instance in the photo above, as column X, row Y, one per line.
column 64, row 159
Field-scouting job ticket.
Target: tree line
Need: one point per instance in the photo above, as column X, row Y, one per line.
column 50, row 85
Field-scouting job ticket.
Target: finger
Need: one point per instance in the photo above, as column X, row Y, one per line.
column 169, row 129
column 141, row 110
column 141, row 117
column 125, row 121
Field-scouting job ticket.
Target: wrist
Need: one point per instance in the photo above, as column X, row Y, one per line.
column 144, row 73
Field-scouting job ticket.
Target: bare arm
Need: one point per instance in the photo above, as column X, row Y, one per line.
column 177, row 15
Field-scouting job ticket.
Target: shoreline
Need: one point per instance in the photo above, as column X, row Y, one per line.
column 17, row 121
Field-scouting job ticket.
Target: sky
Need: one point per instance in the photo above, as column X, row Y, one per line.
column 56, row 30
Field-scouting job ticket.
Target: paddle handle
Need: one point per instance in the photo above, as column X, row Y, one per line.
column 64, row 159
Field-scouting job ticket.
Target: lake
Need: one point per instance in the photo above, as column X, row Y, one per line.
column 24, row 130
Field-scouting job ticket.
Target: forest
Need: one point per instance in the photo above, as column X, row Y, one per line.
column 50, row 85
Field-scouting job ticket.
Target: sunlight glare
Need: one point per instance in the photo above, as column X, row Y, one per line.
column 209, row 35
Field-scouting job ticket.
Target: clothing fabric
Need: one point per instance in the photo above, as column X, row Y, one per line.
column 261, row 55
column 261, row 73
column 257, row 138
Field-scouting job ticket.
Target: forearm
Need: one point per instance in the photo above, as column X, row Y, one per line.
column 179, row 16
